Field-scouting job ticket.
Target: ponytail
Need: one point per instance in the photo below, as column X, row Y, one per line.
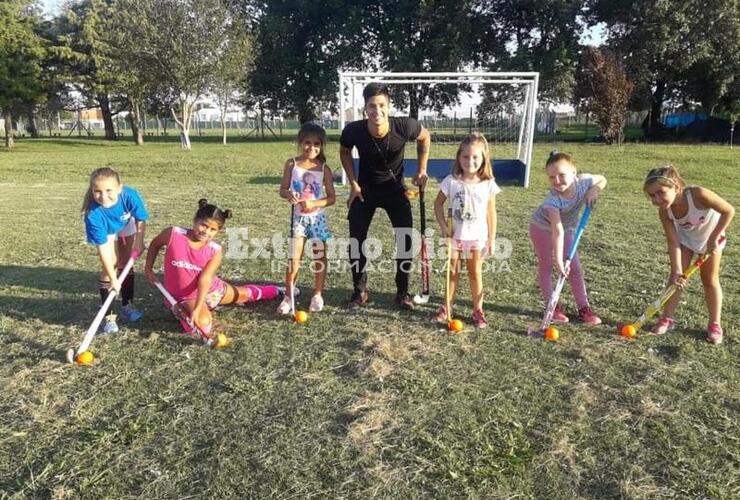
column 209, row 211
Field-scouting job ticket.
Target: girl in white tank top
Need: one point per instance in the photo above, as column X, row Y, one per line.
column 694, row 228
column 694, row 220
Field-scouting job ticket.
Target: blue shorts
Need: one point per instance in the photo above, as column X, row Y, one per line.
column 311, row 227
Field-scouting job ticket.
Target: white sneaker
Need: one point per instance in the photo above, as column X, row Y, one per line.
column 317, row 304
column 284, row 307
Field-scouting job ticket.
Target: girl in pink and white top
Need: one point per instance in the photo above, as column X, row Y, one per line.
column 191, row 261
column 694, row 220
column 307, row 185
column 553, row 227
column 471, row 195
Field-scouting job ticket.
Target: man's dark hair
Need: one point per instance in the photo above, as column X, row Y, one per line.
column 375, row 88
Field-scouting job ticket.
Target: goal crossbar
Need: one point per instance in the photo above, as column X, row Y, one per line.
column 514, row 170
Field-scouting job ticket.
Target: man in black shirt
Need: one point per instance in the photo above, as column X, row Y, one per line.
column 380, row 141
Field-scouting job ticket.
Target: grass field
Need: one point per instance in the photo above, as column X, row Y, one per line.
column 379, row 403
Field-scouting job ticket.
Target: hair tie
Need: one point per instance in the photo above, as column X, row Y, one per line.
column 656, row 177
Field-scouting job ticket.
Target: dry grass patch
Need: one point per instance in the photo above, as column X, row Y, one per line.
column 388, row 347
column 370, row 418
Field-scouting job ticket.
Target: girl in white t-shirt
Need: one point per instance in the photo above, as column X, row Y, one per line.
column 471, row 194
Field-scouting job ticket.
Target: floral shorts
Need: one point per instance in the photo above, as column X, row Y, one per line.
column 312, row 227
column 213, row 299
column 216, row 293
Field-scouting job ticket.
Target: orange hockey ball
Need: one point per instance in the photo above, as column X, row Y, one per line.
column 85, row 358
column 300, row 317
column 552, row 334
column 222, row 341
column 628, row 331
column 455, row 325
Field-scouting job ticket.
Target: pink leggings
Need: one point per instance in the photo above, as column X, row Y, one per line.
column 542, row 242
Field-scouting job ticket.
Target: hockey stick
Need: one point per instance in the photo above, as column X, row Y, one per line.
column 183, row 318
column 93, row 329
column 552, row 304
column 655, row 307
column 292, row 281
column 423, row 298
column 448, row 299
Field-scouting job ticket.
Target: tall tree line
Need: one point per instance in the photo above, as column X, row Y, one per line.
column 283, row 55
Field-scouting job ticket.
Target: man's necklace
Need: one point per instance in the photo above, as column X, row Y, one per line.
column 387, row 141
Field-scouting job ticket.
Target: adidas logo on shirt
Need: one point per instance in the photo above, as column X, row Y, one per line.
column 186, row 265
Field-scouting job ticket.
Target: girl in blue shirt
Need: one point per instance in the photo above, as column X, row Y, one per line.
column 115, row 222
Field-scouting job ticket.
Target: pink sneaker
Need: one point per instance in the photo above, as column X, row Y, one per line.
column 714, row 333
column 662, row 326
column 441, row 315
column 479, row 319
column 558, row 316
column 588, row 316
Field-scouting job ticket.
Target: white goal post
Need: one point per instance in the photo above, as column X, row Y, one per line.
column 518, row 117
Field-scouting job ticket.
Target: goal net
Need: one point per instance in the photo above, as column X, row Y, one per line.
column 501, row 106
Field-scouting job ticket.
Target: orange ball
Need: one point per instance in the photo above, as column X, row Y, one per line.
column 628, row 331
column 85, row 358
column 455, row 325
column 222, row 341
column 552, row 334
column 300, row 317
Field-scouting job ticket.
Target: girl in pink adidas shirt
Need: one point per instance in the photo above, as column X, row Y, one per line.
column 191, row 261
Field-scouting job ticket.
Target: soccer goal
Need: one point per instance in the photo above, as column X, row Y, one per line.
column 451, row 105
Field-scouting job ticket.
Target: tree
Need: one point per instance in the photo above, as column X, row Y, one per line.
column 301, row 45
column 85, row 52
column 728, row 106
column 607, row 89
column 178, row 44
column 530, row 35
column 661, row 42
column 159, row 101
column 126, row 31
column 714, row 81
column 21, row 51
column 232, row 69
column 57, row 92
column 536, row 35
column 436, row 35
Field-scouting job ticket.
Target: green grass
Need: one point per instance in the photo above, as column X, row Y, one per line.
column 353, row 405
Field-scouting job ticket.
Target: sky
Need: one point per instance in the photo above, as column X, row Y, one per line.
column 51, row 6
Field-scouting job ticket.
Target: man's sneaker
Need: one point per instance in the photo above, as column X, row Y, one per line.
column 662, row 326
column 130, row 314
column 558, row 316
column 317, row 304
column 110, row 325
column 714, row 333
column 357, row 300
column 404, row 302
column 441, row 315
column 479, row 319
column 588, row 316
column 284, row 306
